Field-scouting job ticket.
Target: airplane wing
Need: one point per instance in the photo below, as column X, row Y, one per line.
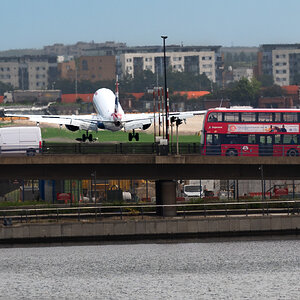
column 143, row 121
column 83, row 122
column 91, row 122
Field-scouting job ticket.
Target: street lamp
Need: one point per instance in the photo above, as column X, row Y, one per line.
column 164, row 37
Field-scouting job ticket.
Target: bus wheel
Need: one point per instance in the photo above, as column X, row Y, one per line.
column 292, row 152
column 231, row 152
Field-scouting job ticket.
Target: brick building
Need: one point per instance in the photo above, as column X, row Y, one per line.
column 92, row 68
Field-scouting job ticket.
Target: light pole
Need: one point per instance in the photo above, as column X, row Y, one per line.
column 164, row 37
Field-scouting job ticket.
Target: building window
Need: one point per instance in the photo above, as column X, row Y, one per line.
column 280, row 56
column 84, row 65
column 176, row 58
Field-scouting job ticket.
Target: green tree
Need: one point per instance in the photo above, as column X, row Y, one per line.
column 272, row 91
column 5, row 87
column 245, row 92
column 266, row 80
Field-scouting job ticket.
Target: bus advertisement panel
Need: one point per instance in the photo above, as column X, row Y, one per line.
column 262, row 128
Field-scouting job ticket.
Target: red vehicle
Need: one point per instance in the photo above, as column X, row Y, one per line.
column 251, row 132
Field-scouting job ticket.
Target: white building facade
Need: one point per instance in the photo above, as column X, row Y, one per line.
column 28, row 72
column 199, row 62
column 9, row 72
column 240, row 73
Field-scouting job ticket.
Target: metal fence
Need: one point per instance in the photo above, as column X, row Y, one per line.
column 157, row 149
column 12, row 216
column 120, row 148
column 172, row 148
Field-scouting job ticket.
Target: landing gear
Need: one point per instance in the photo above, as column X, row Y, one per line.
column 133, row 135
column 86, row 137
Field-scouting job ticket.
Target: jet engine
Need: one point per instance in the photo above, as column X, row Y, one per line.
column 72, row 127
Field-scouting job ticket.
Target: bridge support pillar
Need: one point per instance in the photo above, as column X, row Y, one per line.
column 166, row 195
column 50, row 188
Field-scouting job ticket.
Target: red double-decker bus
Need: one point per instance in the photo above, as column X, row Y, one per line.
column 251, row 132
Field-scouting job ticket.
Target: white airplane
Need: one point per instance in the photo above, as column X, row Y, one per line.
column 109, row 115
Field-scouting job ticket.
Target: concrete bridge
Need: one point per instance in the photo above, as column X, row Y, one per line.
column 152, row 167
column 163, row 169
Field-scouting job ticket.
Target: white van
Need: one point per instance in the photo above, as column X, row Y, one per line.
column 192, row 190
column 20, row 140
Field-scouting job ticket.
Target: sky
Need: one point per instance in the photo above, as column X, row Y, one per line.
column 37, row 23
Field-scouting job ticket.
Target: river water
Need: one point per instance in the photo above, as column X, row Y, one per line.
column 197, row 270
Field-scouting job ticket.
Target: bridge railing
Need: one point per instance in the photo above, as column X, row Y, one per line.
column 172, row 148
column 100, row 212
column 156, row 149
column 118, row 148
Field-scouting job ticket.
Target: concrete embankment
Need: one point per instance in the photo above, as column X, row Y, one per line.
column 126, row 230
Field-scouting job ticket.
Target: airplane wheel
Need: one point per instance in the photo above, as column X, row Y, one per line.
column 137, row 137
column 90, row 137
column 130, row 136
column 84, row 137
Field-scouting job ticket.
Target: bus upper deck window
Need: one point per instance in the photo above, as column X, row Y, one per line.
column 231, row 117
column 277, row 117
column 248, row 117
column 264, row 117
column 290, row 117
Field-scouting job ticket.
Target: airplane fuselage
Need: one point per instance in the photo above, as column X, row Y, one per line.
column 104, row 104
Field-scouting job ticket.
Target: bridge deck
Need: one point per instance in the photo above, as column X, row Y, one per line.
column 80, row 166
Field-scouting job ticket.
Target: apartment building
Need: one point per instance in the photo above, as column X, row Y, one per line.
column 28, row 72
column 281, row 61
column 83, row 49
column 66, row 70
column 198, row 60
column 92, row 68
column 9, row 71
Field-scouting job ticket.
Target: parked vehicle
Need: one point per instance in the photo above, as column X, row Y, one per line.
column 191, row 190
column 20, row 140
column 32, row 96
column 200, row 188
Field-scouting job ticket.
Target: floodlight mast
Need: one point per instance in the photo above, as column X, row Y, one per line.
column 164, row 37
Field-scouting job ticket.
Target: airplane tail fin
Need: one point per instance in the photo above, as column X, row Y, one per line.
column 117, row 95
